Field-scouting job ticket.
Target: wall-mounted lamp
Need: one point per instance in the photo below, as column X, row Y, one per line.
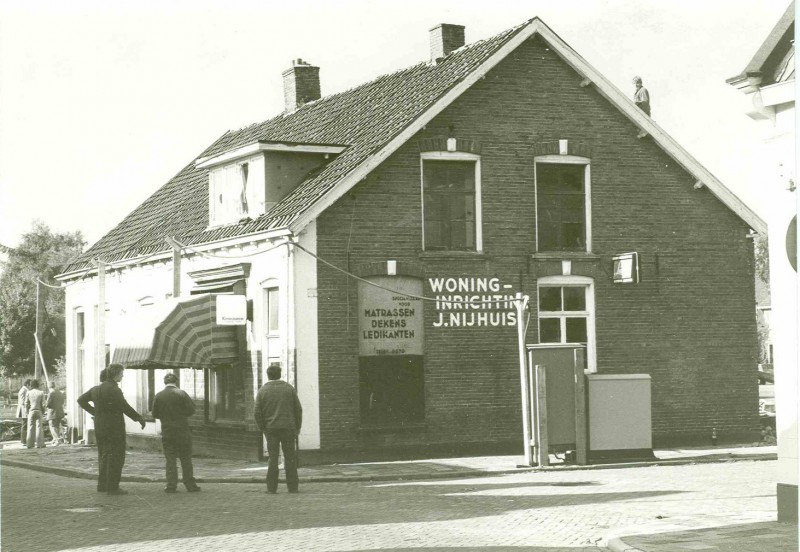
column 626, row 268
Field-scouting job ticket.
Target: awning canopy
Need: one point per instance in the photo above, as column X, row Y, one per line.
column 182, row 333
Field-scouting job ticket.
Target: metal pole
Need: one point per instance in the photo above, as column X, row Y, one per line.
column 520, row 302
column 41, row 358
column 38, row 362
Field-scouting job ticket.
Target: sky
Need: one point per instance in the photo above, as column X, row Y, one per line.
column 101, row 103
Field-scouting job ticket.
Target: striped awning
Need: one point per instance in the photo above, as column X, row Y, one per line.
column 182, row 333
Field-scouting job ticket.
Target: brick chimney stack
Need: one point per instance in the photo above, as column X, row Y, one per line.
column 444, row 39
column 300, row 84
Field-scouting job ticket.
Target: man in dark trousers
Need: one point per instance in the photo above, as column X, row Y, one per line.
column 107, row 404
column 279, row 416
column 173, row 407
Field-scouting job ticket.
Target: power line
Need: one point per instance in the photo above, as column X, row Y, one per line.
column 403, row 293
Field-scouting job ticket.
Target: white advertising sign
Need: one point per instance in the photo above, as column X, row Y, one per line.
column 231, row 310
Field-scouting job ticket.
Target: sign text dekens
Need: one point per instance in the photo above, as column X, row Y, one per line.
column 390, row 323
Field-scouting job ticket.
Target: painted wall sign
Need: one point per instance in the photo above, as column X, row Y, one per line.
column 390, row 323
column 231, row 310
column 466, row 302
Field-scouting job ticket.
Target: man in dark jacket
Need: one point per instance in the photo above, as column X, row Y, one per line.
column 279, row 416
column 107, row 404
column 173, row 407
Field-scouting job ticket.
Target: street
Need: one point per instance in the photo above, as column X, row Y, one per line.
column 552, row 511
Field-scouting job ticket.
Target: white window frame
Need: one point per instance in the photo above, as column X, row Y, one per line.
column 588, row 284
column 144, row 377
column 228, row 212
column 587, row 183
column 454, row 156
column 268, row 337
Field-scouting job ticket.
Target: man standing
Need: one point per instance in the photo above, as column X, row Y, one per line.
column 279, row 416
column 108, row 406
column 34, row 401
column 173, row 407
column 641, row 96
column 22, row 411
column 55, row 412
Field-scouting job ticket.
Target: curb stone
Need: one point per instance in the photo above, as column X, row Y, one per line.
column 407, row 476
column 619, row 545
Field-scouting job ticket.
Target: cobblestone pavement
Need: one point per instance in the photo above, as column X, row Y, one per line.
column 566, row 511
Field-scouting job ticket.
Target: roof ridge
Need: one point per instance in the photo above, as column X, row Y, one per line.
column 463, row 49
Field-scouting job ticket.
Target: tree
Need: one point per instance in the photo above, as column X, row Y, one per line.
column 41, row 255
column 761, row 251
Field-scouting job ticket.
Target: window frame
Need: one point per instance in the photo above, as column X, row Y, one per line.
column 587, row 187
column 228, row 209
column 454, row 156
column 268, row 336
column 588, row 285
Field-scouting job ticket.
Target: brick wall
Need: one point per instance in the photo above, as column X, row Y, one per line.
column 689, row 324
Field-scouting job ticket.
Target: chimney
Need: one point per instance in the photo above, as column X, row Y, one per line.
column 444, row 39
column 300, row 84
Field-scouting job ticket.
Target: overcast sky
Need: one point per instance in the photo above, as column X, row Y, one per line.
column 101, row 103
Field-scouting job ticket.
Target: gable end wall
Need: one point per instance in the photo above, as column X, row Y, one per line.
column 690, row 323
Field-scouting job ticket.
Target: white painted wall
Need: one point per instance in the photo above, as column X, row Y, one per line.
column 305, row 303
column 126, row 286
column 774, row 109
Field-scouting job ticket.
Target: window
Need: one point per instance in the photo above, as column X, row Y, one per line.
column 226, row 394
column 236, row 191
column 451, row 202
column 272, row 347
column 562, row 315
column 566, row 313
column 80, row 341
column 562, row 205
column 392, row 390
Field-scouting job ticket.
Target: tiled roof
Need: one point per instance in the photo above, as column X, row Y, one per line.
column 364, row 119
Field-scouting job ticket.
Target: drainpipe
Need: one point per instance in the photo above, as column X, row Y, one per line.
column 291, row 358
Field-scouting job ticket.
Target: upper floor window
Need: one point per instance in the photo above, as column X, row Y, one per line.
column 229, row 193
column 562, row 204
column 451, row 205
column 236, row 190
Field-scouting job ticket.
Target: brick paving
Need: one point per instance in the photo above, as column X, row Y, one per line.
column 581, row 510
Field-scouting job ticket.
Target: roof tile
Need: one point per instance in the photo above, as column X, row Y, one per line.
column 364, row 119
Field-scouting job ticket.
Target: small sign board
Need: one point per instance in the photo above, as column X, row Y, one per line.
column 626, row 268
column 231, row 310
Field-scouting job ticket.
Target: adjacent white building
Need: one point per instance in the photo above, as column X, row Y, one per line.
column 768, row 82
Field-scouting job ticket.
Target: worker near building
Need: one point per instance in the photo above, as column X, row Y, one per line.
column 279, row 416
column 34, row 402
column 108, row 406
column 22, row 410
column 55, row 412
column 174, row 407
column 641, row 96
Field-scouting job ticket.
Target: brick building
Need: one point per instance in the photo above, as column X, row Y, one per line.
column 378, row 236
